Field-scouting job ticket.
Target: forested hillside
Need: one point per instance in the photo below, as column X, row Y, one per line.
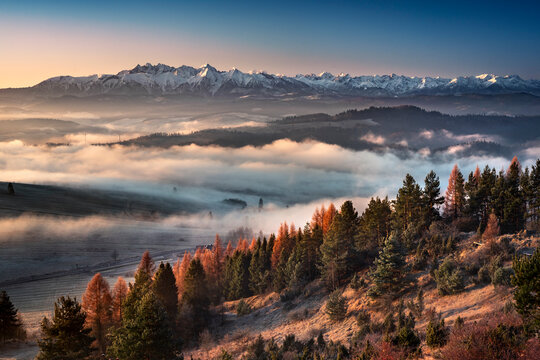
column 359, row 283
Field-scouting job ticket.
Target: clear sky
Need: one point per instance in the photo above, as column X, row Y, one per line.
column 40, row 39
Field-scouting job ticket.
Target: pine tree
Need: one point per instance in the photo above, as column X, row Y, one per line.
column 120, row 293
column 338, row 251
column 10, row 325
column 388, row 270
column 146, row 333
column 238, row 275
column 534, row 199
column 527, row 293
column 432, row 198
column 65, row 337
column 454, row 199
column 375, row 224
column 195, row 299
column 408, row 205
column 514, row 201
column 164, row 287
column 97, row 304
column 473, row 204
column 336, row 307
column 484, row 194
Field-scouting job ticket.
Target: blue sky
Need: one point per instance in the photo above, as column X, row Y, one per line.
column 358, row 37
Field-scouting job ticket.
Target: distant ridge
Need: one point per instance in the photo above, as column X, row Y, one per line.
column 207, row 81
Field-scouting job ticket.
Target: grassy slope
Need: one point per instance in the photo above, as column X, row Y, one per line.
column 273, row 319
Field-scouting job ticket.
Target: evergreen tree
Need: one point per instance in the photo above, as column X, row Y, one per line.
column 146, row 333
column 388, row 270
column 473, row 204
column 238, row 276
column 408, row 205
column 195, row 299
column 514, row 201
column 164, row 287
column 484, row 195
column 97, row 304
column 10, row 325
column 534, row 195
column 65, row 337
column 375, row 224
column 338, row 251
column 432, row 198
column 336, row 307
column 436, row 333
column 527, row 293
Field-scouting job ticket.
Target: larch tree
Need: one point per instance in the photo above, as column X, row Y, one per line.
column 10, row 324
column 65, row 337
column 180, row 270
column 280, row 244
column 147, row 264
column 328, row 217
column 253, row 245
column 318, row 216
column 164, row 287
column 229, row 249
column 454, row 199
column 119, row 295
column 492, row 228
column 97, row 304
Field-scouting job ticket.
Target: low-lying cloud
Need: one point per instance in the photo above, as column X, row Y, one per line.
column 283, row 172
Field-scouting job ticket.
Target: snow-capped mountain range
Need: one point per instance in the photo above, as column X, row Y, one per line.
column 208, row 81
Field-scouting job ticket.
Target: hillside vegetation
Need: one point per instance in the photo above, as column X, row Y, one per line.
column 420, row 276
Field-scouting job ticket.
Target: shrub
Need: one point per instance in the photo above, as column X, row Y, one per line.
column 449, row 277
column 458, row 324
column 503, row 277
column 483, row 275
column 224, row 356
column 406, row 338
column 357, row 282
column 336, row 307
column 243, row 308
column 289, row 295
column 497, row 337
column 436, row 333
column 363, row 318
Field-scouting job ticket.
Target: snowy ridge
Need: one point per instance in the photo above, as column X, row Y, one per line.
column 206, row 80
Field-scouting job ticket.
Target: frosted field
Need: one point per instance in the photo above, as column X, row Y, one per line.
column 36, row 273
